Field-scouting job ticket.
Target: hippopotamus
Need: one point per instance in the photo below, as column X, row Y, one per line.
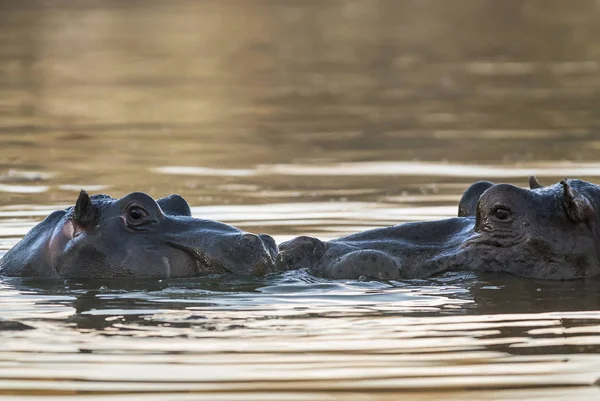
column 135, row 237
column 541, row 232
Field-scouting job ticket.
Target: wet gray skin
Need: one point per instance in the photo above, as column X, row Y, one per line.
column 543, row 232
column 135, row 237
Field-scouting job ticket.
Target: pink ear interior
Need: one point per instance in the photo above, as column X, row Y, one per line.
column 59, row 239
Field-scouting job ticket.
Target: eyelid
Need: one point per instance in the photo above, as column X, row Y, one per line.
column 136, row 205
column 504, row 206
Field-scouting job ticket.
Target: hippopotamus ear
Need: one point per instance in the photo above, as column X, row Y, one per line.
column 534, row 183
column 468, row 203
column 577, row 207
column 85, row 212
column 174, row 205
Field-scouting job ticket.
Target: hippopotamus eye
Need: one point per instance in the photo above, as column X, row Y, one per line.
column 502, row 213
column 136, row 214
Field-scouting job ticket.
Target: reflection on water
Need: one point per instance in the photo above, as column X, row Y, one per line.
column 295, row 334
column 309, row 117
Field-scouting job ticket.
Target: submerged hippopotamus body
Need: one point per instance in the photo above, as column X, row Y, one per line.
column 135, row 237
column 542, row 232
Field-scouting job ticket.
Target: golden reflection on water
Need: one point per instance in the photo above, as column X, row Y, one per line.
column 319, row 118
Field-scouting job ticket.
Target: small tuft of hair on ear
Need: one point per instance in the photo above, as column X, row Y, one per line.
column 85, row 213
column 534, row 183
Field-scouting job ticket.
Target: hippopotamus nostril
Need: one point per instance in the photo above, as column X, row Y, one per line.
column 254, row 251
column 269, row 244
column 250, row 240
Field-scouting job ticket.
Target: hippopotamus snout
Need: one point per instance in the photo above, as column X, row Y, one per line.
column 220, row 248
column 300, row 252
column 258, row 251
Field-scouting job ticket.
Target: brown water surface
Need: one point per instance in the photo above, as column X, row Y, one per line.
column 292, row 117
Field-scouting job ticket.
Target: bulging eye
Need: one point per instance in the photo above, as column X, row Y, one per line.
column 502, row 214
column 136, row 215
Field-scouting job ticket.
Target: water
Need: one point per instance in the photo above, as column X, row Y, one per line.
column 296, row 117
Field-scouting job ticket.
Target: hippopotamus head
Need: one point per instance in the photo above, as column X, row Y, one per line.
column 135, row 237
column 542, row 232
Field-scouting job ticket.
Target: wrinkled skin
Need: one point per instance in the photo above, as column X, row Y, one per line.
column 135, row 237
column 542, row 232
